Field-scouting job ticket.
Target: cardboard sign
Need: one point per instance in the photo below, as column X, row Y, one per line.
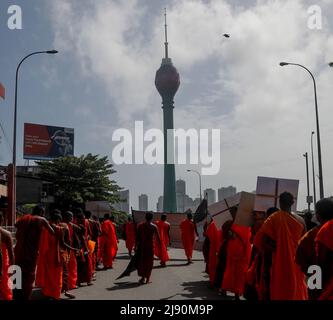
column 244, row 216
column 269, row 190
column 220, row 210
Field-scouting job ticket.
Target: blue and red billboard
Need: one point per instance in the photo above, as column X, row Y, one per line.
column 47, row 142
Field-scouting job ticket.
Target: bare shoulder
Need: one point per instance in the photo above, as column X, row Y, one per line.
column 6, row 236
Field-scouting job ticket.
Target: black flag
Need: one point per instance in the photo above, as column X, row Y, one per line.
column 201, row 212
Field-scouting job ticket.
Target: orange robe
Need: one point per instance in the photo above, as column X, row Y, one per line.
column 72, row 265
column 325, row 237
column 214, row 246
column 161, row 251
column 130, row 234
column 51, row 284
column 287, row 282
column 109, row 243
column 238, row 259
column 187, row 228
column 5, row 291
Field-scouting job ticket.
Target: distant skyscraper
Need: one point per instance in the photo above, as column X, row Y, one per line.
column 143, row 202
column 123, row 205
column 226, row 192
column 181, row 186
column 159, row 205
column 180, row 195
column 211, row 195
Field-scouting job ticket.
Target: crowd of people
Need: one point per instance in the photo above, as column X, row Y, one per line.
column 271, row 260
column 276, row 258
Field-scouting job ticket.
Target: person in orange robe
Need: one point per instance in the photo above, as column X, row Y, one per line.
column 188, row 233
column 146, row 234
column 51, row 284
column 258, row 275
column 306, row 254
column 84, row 258
column 75, row 243
column 280, row 235
column 95, row 233
column 130, row 235
column 6, row 260
column 324, row 250
column 238, row 257
column 28, row 232
column 214, row 246
column 164, row 231
column 109, row 242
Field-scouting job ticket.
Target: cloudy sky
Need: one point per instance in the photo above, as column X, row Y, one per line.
column 103, row 79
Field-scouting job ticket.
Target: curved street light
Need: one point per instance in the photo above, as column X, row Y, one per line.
column 313, row 173
column 321, row 184
column 15, row 128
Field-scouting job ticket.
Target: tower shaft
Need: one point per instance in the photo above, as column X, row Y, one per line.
column 169, row 189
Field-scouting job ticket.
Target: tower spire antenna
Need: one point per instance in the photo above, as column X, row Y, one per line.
column 166, row 34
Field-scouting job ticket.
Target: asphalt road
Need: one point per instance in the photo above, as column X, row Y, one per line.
column 178, row 281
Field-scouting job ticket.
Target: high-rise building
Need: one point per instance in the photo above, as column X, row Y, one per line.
column 143, row 202
column 226, row 192
column 159, row 205
column 124, row 204
column 181, row 195
column 210, row 194
column 181, row 186
column 167, row 83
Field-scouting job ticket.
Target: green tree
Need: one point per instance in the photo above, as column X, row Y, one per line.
column 80, row 179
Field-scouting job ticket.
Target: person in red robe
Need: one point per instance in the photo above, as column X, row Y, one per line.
column 146, row 233
column 324, row 250
column 130, row 235
column 53, row 272
column 280, row 235
column 214, row 238
column 188, row 233
column 258, row 274
column 95, row 233
column 109, row 242
column 306, row 254
column 28, row 233
column 74, row 242
column 6, row 260
column 238, row 254
column 84, row 259
column 164, row 231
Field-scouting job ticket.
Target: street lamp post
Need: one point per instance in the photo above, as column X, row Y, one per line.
column 13, row 191
column 313, row 172
column 308, row 200
column 198, row 173
column 321, row 183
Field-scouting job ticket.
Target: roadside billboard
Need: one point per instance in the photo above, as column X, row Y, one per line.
column 43, row 142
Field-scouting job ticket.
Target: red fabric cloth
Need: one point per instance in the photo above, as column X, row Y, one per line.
column 214, row 246
column 130, row 233
column 287, row 280
column 72, row 265
column 5, row 291
column 238, row 259
column 53, row 268
column 145, row 245
column 161, row 251
column 325, row 237
column 108, row 243
column 187, row 228
column 28, row 233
